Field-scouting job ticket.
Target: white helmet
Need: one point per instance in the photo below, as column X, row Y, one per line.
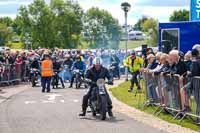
column 67, row 56
column 97, row 61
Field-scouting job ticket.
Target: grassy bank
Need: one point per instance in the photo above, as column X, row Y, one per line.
column 131, row 44
column 138, row 101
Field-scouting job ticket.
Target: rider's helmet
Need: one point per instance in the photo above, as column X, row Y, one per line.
column 97, row 62
column 78, row 57
column 67, row 56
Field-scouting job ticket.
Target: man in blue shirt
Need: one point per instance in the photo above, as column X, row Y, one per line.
column 77, row 65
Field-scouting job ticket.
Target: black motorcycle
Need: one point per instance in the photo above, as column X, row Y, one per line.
column 98, row 102
column 35, row 73
column 114, row 71
column 55, row 80
column 78, row 78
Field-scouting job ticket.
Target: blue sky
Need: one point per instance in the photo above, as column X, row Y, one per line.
column 159, row 9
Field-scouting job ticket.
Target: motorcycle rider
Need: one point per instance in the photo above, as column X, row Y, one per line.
column 68, row 61
column 80, row 65
column 115, row 62
column 95, row 73
column 67, row 64
column 57, row 68
column 35, row 63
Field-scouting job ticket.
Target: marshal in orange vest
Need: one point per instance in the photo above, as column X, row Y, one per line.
column 47, row 68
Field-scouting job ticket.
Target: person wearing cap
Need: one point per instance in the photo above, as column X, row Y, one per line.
column 46, row 73
column 80, row 65
column 95, row 73
column 134, row 63
column 152, row 63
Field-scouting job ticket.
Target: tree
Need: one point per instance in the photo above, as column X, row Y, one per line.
column 150, row 26
column 58, row 24
column 5, row 34
column 42, row 30
column 6, row 20
column 68, row 22
column 180, row 15
column 138, row 25
column 101, row 28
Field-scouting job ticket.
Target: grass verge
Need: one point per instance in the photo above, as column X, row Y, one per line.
column 132, row 44
column 138, row 101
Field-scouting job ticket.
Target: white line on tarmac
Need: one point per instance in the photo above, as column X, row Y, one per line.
column 30, row 102
column 75, row 100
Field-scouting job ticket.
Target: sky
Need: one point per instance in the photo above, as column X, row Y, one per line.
column 158, row 9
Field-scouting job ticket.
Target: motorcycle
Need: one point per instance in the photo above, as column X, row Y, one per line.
column 55, row 79
column 78, row 78
column 35, row 73
column 114, row 71
column 67, row 73
column 98, row 102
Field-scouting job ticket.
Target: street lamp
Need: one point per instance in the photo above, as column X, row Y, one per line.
column 27, row 40
column 126, row 7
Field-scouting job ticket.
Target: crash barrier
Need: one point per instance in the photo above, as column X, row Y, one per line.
column 13, row 74
column 178, row 96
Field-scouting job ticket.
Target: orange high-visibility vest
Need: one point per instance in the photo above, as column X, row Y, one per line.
column 47, row 68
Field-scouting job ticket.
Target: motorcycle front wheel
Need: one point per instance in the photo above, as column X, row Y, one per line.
column 103, row 110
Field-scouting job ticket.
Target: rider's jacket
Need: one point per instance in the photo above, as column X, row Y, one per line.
column 94, row 75
column 79, row 65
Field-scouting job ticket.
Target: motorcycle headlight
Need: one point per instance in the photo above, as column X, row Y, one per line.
column 101, row 82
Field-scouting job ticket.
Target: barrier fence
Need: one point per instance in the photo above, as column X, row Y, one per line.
column 13, row 74
column 179, row 96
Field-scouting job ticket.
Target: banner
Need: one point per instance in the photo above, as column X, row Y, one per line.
column 195, row 10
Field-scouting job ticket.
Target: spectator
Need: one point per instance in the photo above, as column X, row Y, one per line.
column 188, row 61
column 152, row 63
column 177, row 66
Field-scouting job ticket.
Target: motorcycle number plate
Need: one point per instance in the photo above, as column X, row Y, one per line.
column 102, row 93
column 102, row 90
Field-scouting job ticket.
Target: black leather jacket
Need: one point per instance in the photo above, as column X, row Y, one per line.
column 94, row 75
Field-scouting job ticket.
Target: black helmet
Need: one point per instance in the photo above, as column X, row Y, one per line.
column 195, row 53
column 78, row 57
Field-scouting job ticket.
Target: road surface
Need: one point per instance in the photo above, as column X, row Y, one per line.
column 57, row 112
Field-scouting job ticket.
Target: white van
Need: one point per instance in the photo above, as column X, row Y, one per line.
column 136, row 35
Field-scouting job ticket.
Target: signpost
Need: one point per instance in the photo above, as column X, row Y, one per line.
column 195, row 10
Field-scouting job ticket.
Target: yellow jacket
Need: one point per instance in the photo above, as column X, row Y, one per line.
column 138, row 62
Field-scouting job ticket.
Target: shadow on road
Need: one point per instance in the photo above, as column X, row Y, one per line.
column 97, row 119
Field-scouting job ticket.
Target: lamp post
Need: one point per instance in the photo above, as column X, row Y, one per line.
column 27, row 41
column 126, row 7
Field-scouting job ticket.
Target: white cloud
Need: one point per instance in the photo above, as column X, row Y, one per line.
column 13, row 16
column 162, row 13
column 15, row 2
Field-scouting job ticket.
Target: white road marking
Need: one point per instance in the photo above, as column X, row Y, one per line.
column 75, row 100
column 62, row 101
column 30, row 102
column 52, row 97
column 47, row 101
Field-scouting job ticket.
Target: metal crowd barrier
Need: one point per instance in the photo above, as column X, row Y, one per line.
column 13, row 74
column 173, row 94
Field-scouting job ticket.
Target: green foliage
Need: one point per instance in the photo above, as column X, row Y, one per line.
column 56, row 25
column 61, row 24
column 6, row 20
column 5, row 34
column 180, row 15
column 138, row 25
column 132, row 44
column 150, row 26
column 101, row 29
